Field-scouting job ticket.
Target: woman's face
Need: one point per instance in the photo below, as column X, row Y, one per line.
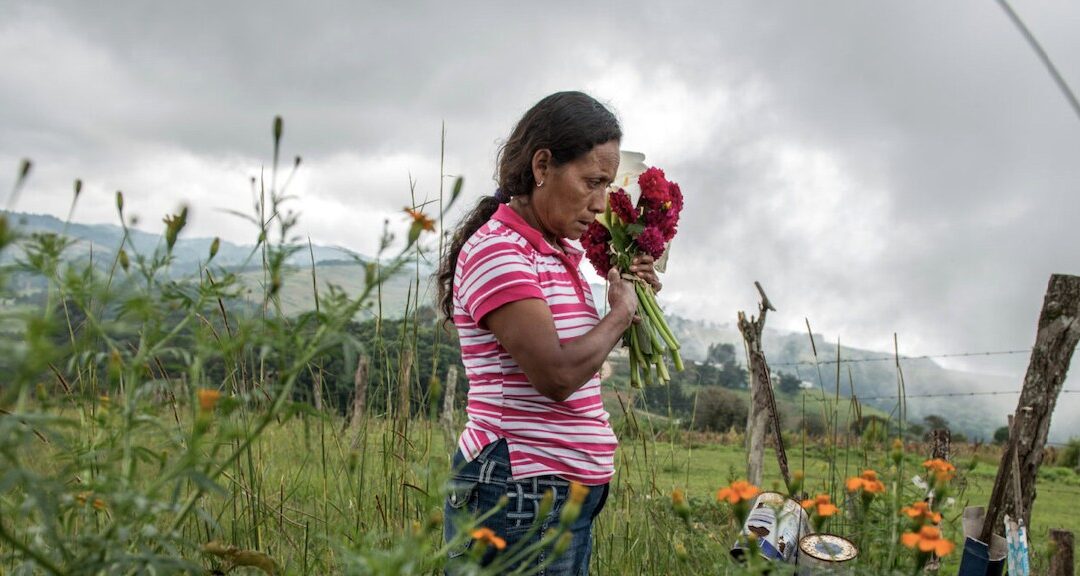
column 573, row 193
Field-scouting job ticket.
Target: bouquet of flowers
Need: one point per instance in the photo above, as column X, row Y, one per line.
column 642, row 217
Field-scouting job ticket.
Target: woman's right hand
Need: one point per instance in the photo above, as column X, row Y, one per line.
column 622, row 298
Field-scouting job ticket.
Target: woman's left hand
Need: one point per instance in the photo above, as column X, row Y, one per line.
column 643, row 267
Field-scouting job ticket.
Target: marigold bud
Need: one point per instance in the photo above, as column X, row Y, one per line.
column 208, row 399
column 563, row 543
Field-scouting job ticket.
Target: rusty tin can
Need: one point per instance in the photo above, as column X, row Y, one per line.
column 779, row 523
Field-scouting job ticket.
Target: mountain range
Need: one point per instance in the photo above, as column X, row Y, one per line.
column 961, row 398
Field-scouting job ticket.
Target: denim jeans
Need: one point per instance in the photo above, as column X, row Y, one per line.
column 476, row 487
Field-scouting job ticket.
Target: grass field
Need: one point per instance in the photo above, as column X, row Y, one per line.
column 319, row 498
column 149, row 425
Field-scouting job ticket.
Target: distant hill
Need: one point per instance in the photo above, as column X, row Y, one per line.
column 872, row 376
column 189, row 253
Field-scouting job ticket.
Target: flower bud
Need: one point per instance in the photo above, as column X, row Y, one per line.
column 570, row 512
column 897, row 451
column 173, row 225
column 679, row 504
column 563, row 543
column 546, row 503
column 214, row 247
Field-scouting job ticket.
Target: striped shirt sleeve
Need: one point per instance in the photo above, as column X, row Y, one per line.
column 496, row 271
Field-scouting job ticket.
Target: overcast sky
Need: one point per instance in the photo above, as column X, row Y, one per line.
column 880, row 167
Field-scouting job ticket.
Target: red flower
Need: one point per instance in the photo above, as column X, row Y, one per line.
column 651, row 241
column 654, row 188
column 672, row 212
column 622, row 206
column 661, row 202
column 595, row 242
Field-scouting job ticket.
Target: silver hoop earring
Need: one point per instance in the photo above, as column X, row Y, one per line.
column 540, row 184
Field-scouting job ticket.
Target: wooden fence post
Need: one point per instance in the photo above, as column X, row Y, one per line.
column 1061, row 559
column 1055, row 341
column 762, row 402
column 940, row 441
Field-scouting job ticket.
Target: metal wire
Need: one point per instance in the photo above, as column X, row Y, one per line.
column 902, row 358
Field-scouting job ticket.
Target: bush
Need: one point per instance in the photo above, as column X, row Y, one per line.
column 1070, row 455
column 719, row 409
column 1001, row 435
column 813, row 423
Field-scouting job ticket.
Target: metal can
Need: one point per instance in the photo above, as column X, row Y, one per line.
column 778, row 523
column 826, row 554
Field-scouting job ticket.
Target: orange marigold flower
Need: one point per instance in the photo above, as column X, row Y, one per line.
column 875, row 487
column 920, row 511
column 421, row 219
column 942, row 470
column 578, row 492
column 927, row 539
column 679, row 504
column 867, row 482
column 822, row 505
column 485, row 534
column 854, row 484
column 738, row 491
column 678, row 497
column 208, row 398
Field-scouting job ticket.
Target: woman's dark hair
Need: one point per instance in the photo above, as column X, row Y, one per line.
column 569, row 124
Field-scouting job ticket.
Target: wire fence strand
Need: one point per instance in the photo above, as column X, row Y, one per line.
column 902, row 358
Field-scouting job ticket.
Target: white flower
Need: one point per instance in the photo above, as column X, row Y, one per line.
column 631, row 165
column 920, row 483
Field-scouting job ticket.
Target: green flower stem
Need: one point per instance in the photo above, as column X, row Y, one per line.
column 651, row 311
column 676, row 359
column 635, row 374
column 661, row 369
column 648, row 298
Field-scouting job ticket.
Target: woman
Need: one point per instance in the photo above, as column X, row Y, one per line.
column 531, row 340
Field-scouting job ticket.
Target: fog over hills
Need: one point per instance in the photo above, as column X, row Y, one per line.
column 973, row 403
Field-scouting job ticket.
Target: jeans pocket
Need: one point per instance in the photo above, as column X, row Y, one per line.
column 460, row 505
column 523, row 503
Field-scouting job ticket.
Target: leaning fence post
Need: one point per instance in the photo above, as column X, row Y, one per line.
column 762, row 401
column 1055, row 341
column 1061, row 558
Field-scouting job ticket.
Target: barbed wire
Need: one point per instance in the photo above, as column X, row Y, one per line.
column 902, row 358
column 942, row 395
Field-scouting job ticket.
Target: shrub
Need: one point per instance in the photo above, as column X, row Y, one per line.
column 719, row 409
column 1070, row 455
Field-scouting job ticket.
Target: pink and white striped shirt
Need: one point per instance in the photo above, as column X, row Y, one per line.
column 504, row 261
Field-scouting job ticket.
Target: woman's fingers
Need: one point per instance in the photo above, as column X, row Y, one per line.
column 613, row 275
